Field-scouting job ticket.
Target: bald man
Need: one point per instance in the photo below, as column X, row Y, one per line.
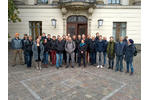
column 120, row 51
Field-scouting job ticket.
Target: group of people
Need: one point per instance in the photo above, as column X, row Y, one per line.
column 71, row 49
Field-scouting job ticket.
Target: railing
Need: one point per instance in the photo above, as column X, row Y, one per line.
column 69, row 1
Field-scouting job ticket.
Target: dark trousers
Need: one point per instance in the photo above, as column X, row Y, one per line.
column 29, row 59
column 53, row 54
column 65, row 56
column 111, row 62
column 92, row 58
column 25, row 57
column 80, row 56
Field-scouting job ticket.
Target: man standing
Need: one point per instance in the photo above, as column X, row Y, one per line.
column 70, row 48
column 59, row 52
column 28, row 48
column 49, row 46
column 77, row 45
column 24, row 40
column 16, row 45
column 92, row 51
column 120, row 51
column 99, row 51
column 53, row 50
column 111, row 52
column 104, row 51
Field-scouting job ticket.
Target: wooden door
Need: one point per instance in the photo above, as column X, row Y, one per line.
column 72, row 29
column 118, row 30
column 82, row 29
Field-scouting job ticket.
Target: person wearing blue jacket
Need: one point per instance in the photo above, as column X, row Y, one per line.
column 99, row 51
column 129, row 56
column 120, row 51
column 16, row 45
column 105, row 50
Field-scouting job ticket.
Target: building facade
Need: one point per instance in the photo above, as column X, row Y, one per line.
column 60, row 17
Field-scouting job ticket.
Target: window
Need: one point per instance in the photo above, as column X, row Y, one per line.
column 119, row 29
column 113, row 1
column 42, row 1
column 82, row 19
column 35, row 29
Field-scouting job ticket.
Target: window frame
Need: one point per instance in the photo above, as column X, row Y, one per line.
column 42, row 2
column 114, row 2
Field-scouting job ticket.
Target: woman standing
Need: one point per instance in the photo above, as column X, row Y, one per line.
column 82, row 49
column 129, row 55
column 38, row 50
column 46, row 50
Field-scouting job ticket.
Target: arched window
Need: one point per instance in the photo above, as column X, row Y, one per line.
column 81, row 19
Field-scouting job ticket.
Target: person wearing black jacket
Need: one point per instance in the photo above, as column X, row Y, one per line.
column 82, row 49
column 24, row 40
column 92, row 51
column 75, row 51
column 105, row 51
column 60, row 46
column 28, row 50
column 53, row 50
column 49, row 39
column 78, row 41
column 45, row 54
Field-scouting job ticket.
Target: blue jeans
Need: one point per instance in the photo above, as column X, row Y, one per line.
column 129, row 64
column 92, row 57
column 99, row 58
column 104, row 55
column 59, row 57
column 45, row 60
column 29, row 59
column 119, row 63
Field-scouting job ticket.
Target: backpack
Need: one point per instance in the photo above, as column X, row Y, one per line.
column 135, row 52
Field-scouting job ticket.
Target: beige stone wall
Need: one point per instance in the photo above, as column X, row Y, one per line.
column 131, row 16
column 44, row 15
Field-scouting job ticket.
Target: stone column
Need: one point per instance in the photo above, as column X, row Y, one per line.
column 89, row 25
column 64, row 11
column 64, row 25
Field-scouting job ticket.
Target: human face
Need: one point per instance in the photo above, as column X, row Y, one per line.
column 30, row 38
column 93, row 38
column 121, row 39
column 82, row 41
column 38, row 40
column 111, row 39
column 100, row 38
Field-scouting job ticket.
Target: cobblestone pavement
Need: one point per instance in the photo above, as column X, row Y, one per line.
column 76, row 83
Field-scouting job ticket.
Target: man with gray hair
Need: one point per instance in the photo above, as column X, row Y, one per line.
column 70, row 47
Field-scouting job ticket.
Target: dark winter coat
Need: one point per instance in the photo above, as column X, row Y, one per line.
column 28, row 46
column 129, row 53
column 77, row 44
column 92, row 46
column 111, row 50
column 53, row 45
column 99, row 46
column 120, row 48
column 46, row 47
column 23, row 44
column 60, row 46
column 35, row 51
column 105, row 45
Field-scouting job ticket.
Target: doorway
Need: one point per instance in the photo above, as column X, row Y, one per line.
column 76, row 25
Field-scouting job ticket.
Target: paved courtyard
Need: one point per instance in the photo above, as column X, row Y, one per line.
column 76, row 83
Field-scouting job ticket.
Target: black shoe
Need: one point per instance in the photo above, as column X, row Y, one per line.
column 109, row 67
column 72, row 66
column 79, row 65
column 127, row 71
column 131, row 73
column 57, row 67
column 66, row 67
column 84, row 66
column 13, row 65
column 60, row 66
